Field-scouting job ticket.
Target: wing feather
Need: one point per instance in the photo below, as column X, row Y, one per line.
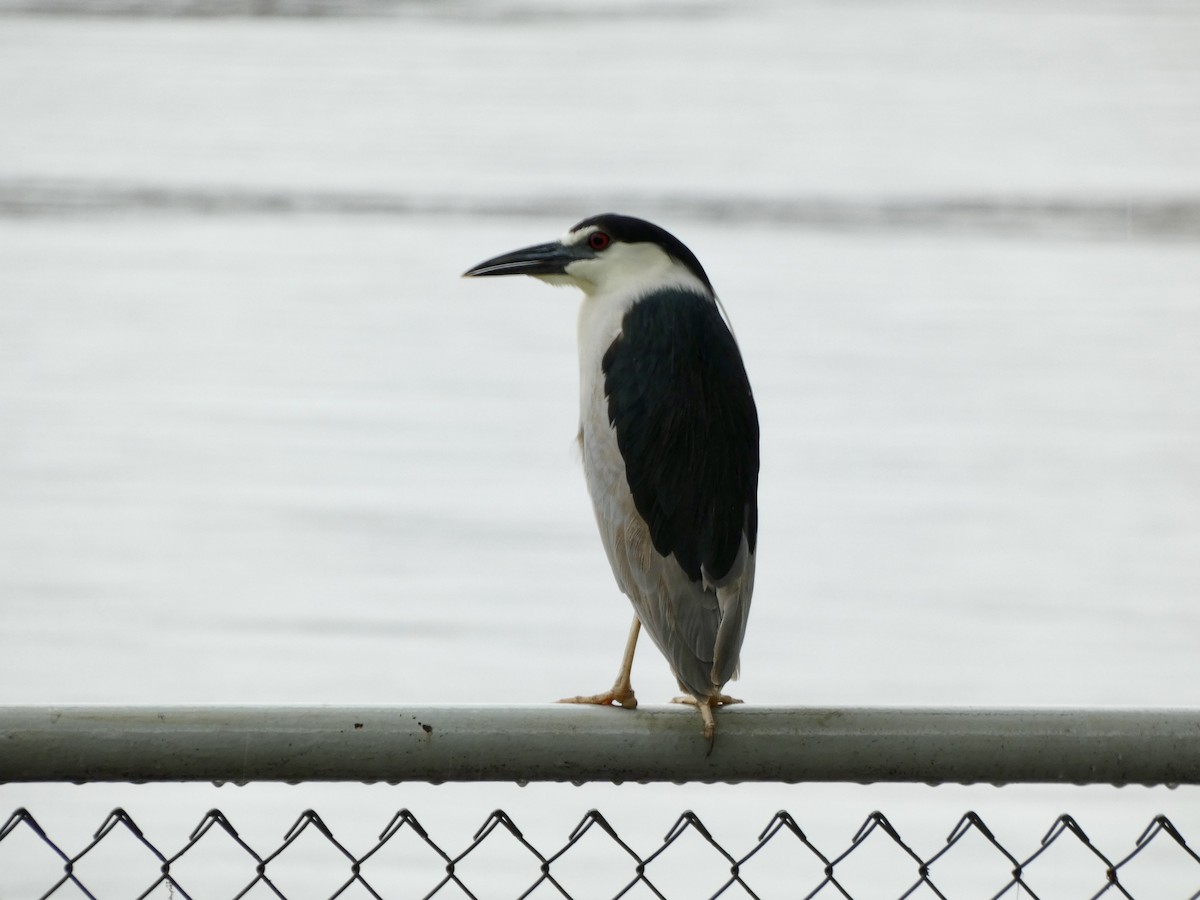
column 687, row 428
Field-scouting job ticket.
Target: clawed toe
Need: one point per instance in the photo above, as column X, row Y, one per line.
column 623, row 698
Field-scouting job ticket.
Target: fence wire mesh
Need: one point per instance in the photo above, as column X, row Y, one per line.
column 812, row 872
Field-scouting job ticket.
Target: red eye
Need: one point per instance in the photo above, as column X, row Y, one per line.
column 598, row 240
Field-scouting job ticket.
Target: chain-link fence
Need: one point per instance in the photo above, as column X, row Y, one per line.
column 406, row 860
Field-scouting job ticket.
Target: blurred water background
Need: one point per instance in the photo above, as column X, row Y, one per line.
column 260, row 444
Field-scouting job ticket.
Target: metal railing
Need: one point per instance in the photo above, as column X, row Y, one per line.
column 576, row 743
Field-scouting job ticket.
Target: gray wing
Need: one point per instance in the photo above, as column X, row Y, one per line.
column 699, row 629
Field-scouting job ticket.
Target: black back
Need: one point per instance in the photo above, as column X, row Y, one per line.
column 687, row 428
column 636, row 231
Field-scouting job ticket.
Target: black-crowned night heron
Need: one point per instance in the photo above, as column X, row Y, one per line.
column 669, row 436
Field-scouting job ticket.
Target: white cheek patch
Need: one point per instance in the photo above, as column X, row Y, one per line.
column 634, row 269
column 584, row 274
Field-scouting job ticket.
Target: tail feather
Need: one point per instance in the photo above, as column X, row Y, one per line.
column 734, row 601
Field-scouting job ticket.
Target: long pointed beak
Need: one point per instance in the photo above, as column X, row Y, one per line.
column 542, row 259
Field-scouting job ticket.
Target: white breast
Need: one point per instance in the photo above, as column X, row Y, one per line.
column 599, row 325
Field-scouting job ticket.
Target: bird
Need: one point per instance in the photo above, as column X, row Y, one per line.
column 669, row 439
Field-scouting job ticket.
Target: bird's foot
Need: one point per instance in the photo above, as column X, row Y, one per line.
column 617, row 695
column 718, row 700
column 706, row 705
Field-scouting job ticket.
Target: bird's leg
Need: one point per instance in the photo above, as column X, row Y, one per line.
column 621, row 693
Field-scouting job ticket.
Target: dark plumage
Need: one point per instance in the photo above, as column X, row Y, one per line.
column 687, row 429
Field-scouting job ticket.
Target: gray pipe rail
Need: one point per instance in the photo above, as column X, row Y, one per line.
column 243, row 744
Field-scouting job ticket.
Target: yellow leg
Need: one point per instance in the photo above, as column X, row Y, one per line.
column 621, row 693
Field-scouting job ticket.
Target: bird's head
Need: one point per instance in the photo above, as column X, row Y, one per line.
column 607, row 254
